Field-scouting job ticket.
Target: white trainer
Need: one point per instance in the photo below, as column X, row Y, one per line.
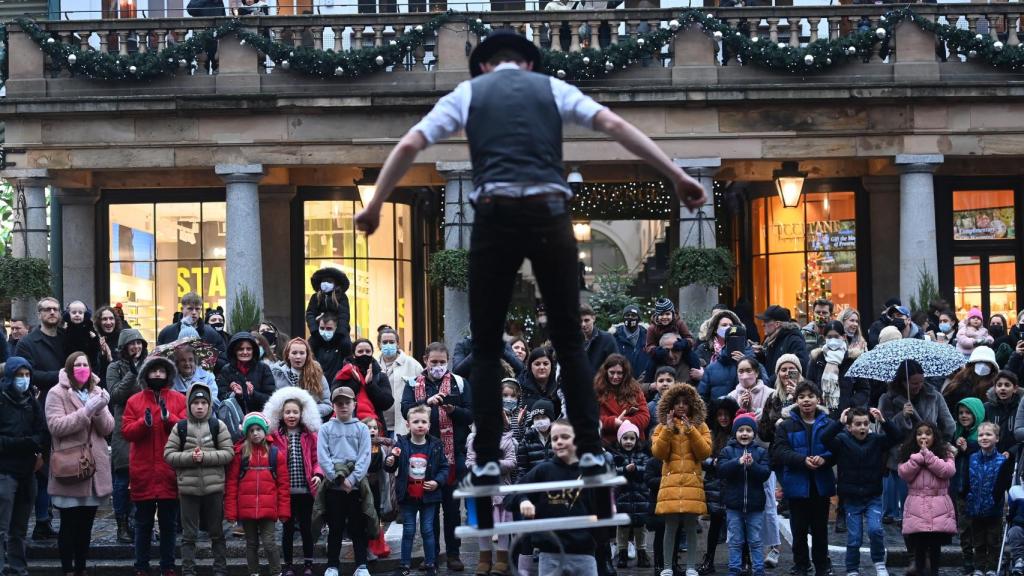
column 331, row 572
column 881, row 570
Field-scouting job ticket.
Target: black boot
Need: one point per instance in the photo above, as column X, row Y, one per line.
column 644, row 561
column 707, row 565
column 123, row 535
column 43, row 531
column 623, row 561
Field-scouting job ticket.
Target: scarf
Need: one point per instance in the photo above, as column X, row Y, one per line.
column 293, row 376
column 443, row 420
column 830, row 377
column 633, row 336
column 717, row 344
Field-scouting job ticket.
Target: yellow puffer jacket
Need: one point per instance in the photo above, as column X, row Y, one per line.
column 681, row 451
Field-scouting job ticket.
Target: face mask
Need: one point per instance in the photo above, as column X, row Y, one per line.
column 327, row 287
column 509, row 405
column 188, row 320
column 835, row 343
column 631, row 322
column 21, row 383
column 997, row 330
column 437, row 372
column 82, row 373
column 982, row 369
column 850, row 333
column 327, row 334
column 261, row 353
column 722, row 332
column 747, row 379
column 362, row 362
column 270, row 336
column 156, row 384
column 542, row 425
column 218, row 327
column 389, row 350
column 900, row 324
column 945, row 326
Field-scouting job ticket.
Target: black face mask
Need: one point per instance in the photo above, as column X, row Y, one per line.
column 156, row 384
column 270, row 336
column 631, row 322
column 900, row 324
column 362, row 362
column 217, row 327
column 997, row 330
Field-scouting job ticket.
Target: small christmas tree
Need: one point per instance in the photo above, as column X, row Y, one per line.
column 611, row 295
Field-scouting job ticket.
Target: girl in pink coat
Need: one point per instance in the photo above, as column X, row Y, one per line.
column 929, row 519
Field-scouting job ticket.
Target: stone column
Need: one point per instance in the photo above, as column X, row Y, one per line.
column 78, row 232
column 244, row 260
column 698, row 229
column 458, row 219
column 29, row 237
column 917, row 220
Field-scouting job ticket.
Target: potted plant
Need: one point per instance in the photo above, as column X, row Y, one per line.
column 707, row 267
column 449, row 269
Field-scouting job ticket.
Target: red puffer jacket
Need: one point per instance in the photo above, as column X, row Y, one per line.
column 257, row 495
column 152, row 478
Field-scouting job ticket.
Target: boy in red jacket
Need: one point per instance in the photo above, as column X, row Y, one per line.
column 149, row 418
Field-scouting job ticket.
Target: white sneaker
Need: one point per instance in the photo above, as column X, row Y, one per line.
column 990, row 573
column 691, row 572
column 771, row 560
column 854, row 573
column 361, row 571
column 331, row 572
column 881, row 570
column 667, row 572
column 631, row 551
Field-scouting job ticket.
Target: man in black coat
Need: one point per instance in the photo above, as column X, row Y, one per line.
column 597, row 344
column 192, row 317
column 23, row 436
column 782, row 336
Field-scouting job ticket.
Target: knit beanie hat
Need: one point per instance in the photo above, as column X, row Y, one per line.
column 888, row 334
column 626, row 428
column 255, row 419
column 542, row 408
column 664, row 305
column 743, row 419
column 791, row 358
column 975, row 313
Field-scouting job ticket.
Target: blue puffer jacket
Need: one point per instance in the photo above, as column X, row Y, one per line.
column 720, row 377
column 792, row 447
column 988, row 480
column 743, row 486
column 638, row 358
column 633, row 498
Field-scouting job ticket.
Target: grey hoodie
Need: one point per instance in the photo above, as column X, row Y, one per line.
column 340, row 442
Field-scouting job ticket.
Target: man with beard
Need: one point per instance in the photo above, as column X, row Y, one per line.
column 630, row 337
column 192, row 319
column 781, row 336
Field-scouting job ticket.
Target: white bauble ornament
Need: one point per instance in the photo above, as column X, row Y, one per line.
column 285, row 64
column 808, row 59
column 560, row 74
column 609, row 66
column 851, row 50
column 828, row 60
column 755, row 40
column 586, row 60
column 641, row 41
column 972, row 54
column 132, row 69
column 339, row 71
column 72, row 59
column 781, row 45
column 50, row 40
column 978, row 36
column 673, row 25
column 717, row 35
column 419, row 28
column 379, row 60
column 880, row 32
column 997, row 46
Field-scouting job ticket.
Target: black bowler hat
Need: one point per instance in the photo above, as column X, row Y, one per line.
column 500, row 40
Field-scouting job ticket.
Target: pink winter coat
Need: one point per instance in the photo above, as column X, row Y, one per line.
column 69, row 425
column 928, row 507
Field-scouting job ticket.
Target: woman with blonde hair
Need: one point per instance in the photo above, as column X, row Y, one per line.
column 299, row 368
column 855, row 342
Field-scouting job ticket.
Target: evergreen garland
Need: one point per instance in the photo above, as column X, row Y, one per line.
column 586, row 64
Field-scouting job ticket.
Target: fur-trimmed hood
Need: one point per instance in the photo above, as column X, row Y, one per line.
column 332, row 274
column 275, row 405
column 153, row 361
column 709, row 328
column 698, row 411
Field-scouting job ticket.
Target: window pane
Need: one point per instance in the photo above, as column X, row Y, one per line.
column 382, row 243
column 787, row 280
column 214, row 238
column 131, row 233
column 403, row 230
column 383, row 304
column 178, row 233
column 137, row 297
column 361, row 303
column 1003, row 286
column 966, row 284
column 757, row 221
column 174, row 280
column 403, row 305
column 983, row 215
column 785, row 227
column 328, row 231
column 759, row 269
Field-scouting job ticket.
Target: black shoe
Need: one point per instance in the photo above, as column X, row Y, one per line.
column 886, row 519
column 707, row 566
column 623, row 559
column 43, row 531
column 798, row 571
column 644, row 561
column 123, row 535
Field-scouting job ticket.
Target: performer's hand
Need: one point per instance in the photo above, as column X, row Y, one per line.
column 527, row 509
column 691, row 194
column 368, row 219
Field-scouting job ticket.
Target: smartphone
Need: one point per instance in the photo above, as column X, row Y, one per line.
column 736, row 340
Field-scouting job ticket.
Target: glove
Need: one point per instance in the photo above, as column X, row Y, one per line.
column 163, row 410
column 149, row 418
column 681, row 344
column 660, row 354
column 94, row 404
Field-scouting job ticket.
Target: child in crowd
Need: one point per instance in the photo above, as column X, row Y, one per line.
column 723, row 411
column 633, row 498
column 536, row 444
column 198, row 449
column 751, row 393
column 1015, row 531
column 514, row 410
column 664, row 378
column 929, row 519
column 494, row 556
column 379, row 447
column 329, row 297
column 681, row 441
column 148, row 419
column 1001, row 408
column 807, row 479
column 860, row 455
column 988, row 476
column 421, row 471
column 744, row 468
column 969, row 414
column 343, row 450
column 258, row 492
column 80, row 333
column 578, row 545
column 293, row 415
column 972, row 333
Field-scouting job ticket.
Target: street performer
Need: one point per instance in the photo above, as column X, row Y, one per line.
column 512, row 115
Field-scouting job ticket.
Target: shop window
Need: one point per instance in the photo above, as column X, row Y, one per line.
column 983, row 215
column 804, row 253
column 160, row 252
column 976, row 278
column 379, row 267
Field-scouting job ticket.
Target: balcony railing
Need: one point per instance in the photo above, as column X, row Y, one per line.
column 692, row 58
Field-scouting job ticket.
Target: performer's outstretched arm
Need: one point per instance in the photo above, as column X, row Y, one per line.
column 395, row 167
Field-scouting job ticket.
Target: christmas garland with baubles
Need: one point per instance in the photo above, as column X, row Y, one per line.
column 586, row 64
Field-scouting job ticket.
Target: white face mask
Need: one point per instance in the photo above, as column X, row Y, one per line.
column 722, row 331
column 327, row 287
column 835, row 344
column 541, row 425
column 982, row 369
column 436, row 372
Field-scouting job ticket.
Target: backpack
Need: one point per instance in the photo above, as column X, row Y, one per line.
column 231, row 414
column 272, row 463
column 182, row 427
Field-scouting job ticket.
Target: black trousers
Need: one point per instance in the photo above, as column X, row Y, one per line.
column 504, row 234
column 810, row 515
column 344, row 509
column 301, row 519
column 74, row 536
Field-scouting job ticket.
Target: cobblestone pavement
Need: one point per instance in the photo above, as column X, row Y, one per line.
column 111, row 559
